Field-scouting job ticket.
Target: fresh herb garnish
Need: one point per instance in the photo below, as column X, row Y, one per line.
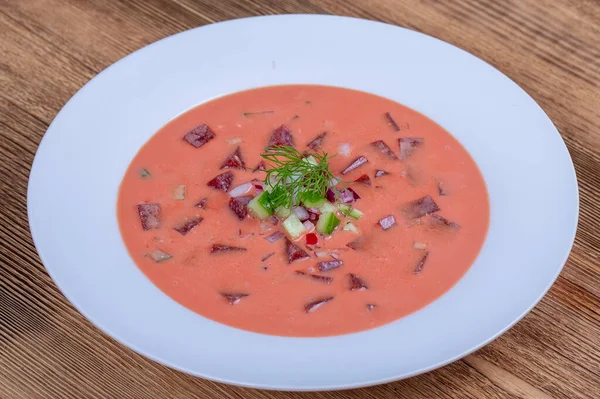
column 292, row 175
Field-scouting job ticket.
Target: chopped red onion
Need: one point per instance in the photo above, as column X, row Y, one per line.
column 358, row 162
column 301, row 212
column 314, row 305
column 274, row 237
column 387, row 222
column 308, row 225
column 243, row 189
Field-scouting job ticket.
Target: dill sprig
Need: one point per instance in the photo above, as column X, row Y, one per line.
column 292, row 175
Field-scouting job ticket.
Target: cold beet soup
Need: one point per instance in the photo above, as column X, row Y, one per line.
column 303, row 210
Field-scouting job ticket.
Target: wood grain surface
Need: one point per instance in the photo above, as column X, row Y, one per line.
column 50, row 48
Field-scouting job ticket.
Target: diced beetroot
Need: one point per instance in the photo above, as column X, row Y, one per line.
column 323, row 279
column 371, row 306
column 421, row 263
column 267, row 256
column 222, row 181
column 314, row 305
column 217, row 248
column 379, row 173
column 274, row 237
column 364, row 179
column 329, row 265
column 294, row 252
column 441, row 189
column 421, row 207
column 233, row 297
column 199, row 135
column 354, row 193
column 439, row 221
column 356, row 283
column 392, row 122
column 149, row 216
column 332, row 194
column 261, row 166
column 384, row 149
column 316, row 143
column 387, row 222
column 282, row 136
column 356, row 244
column 202, row 203
column 355, row 164
column 239, row 206
column 188, row 226
column 312, row 239
column 408, row 145
column 234, row 160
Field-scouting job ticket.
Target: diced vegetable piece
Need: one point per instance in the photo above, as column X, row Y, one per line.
column 312, row 199
column 354, row 193
column 244, row 189
column 419, row 245
column 327, row 207
column 314, row 305
column 282, row 136
column 387, row 222
column 309, row 225
column 222, row 181
column 274, row 236
column 301, row 212
column 278, row 197
column 323, row 279
column 294, row 226
column 149, row 216
column 179, row 192
column 356, row 283
column 441, row 189
column 316, row 143
column 350, row 227
column 234, row 160
column 144, row 174
column 311, row 160
column 355, row 164
column 344, row 209
column 199, row 135
column 421, row 207
column 260, row 206
column 327, row 223
column 439, row 221
column 312, row 239
column 160, row 256
column 273, row 220
column 355, row 214
column 391, row 122
column 234, row 141
column 267, row 256
column 371, row 306
column 329, row 265
column 384, row 149
column 345, row 149
column 239, row 206
column 294, row 252
column 202, row 203
column 380, row 173
column 408, row 145
column 332, row 194
column 217, row 248
column 188, row 226
column 421, row 263
column 356, row 244
column 260, row 167
column 364, row 179
column 334, row 181
column 283, row 212
column 233, row 297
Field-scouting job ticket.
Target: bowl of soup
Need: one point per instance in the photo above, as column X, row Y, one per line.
column 263, row 204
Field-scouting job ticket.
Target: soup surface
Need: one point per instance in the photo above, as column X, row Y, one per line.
column 424, row 205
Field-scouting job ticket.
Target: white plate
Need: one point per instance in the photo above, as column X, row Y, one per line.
column 83, row 156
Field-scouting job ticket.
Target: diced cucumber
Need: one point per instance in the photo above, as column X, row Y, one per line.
column 312, row 199
column 279, row 196
column 294, row 226
column 283, row 211
column 327, row 207
column 347, row 210
column 350, row 227
column 260, row 206
column 310, row 159
column 327, row 223
column 355, row 213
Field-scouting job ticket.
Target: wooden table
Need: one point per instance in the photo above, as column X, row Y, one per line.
column 50, row 48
